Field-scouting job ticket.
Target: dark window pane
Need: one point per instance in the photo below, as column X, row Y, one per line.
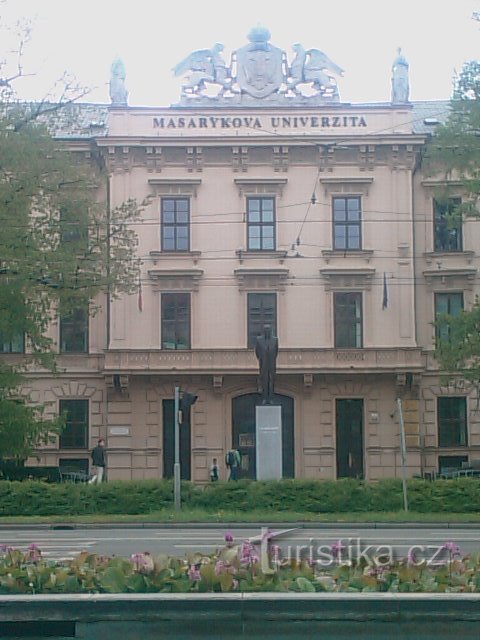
column 347, row 223
column 451, row 463
column 262, row 310
column 75, row 434
column 447, row 230
column 175, row 321
column 175, row 224
column 452, row 422
column 348, row 320
column 74, row 332
column 447, row 304
column 14, row 344
column 261, row 224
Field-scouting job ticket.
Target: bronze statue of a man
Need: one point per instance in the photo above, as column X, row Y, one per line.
column 266, row 350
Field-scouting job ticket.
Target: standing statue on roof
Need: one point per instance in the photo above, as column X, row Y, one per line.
column 400, row 82
column 118, row 90
column 205, row 65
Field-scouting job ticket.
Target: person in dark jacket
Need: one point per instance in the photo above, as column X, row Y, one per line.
column 98, row 461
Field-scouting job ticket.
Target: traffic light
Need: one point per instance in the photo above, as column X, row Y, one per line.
column 186, row 401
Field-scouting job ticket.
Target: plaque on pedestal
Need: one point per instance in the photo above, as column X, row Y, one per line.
column 268, row 424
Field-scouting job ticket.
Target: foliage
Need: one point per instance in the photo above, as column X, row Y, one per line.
column 236, row 567
column 458, row 351
column 61, row 248
column 454, row 152
column 32, row 498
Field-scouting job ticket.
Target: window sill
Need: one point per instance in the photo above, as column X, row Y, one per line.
column 243, row 254
column 366, row 254
column 175, row 255
column 430, row 256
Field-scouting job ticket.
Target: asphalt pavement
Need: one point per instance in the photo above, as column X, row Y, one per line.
column 61, row 542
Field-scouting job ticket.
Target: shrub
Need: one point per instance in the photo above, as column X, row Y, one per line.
column 301, row 496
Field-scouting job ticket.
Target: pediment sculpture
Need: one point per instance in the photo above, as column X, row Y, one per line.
column 259, row 71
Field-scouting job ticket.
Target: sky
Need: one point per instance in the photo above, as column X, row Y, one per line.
column 82, row 38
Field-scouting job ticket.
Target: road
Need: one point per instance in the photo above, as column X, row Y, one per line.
column 312, row 542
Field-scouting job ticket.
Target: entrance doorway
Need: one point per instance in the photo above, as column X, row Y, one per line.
column 349, row 423
column 243, row 433
column 168, row 411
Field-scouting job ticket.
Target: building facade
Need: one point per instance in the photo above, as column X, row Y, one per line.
column 308, row 214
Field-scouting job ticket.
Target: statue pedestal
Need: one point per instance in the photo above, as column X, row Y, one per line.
column 268, row 424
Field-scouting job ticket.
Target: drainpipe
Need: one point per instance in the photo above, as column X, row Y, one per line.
column 415, row 324
column 108, row 309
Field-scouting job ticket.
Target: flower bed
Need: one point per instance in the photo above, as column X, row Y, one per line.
column 237, row 567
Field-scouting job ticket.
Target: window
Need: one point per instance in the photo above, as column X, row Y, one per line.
column 447, row 230
column 447, row 303
column 74, row 332
column 262, row 310
column 452, row 422
column 451, row 463
column 348, row 320
column 73, row 465
column 175, row 224
column 75, row 434
column 175, row 321
column 261, row 224
column 347, row 217
column 16, row 343
column 73, row 230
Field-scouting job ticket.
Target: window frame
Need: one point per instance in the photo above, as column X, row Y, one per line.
column 261, row 224
column 176, row 225
column 347, row 223
column 15, row 340
column 76, row 327
column 440, row 225
column 263, row 317
column 175, row 322
column 69, row 441
column 449, row 295
column 355, row 328
column 460, row 422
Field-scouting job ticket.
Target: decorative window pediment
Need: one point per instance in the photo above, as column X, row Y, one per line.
column 348, row 186
column 450, row 278
column 249, row 186
column 175, row 186
column 177, row 279
column 261, row 279
column 358, row 279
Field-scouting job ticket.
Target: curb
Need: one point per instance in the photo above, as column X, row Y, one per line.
column 240, row 525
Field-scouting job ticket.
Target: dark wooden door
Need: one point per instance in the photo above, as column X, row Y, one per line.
column 349, row 423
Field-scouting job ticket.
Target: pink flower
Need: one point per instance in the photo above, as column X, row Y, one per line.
column 452, row 548
column 33, row 554
column 337, row 548
column 143, row 562
column 194, row 573
column 229, row 539
column 248, row 553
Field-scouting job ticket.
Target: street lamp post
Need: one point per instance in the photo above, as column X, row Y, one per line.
column 183, row 402
column 176, row 466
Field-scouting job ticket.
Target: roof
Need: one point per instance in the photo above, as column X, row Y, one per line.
column 89, row 120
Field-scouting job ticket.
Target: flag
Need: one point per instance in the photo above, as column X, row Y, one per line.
column 140, row 297
column 385, row 292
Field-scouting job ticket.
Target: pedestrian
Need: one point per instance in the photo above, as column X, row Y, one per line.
column 233, row 460
column 99, row 462
column 214, row 471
